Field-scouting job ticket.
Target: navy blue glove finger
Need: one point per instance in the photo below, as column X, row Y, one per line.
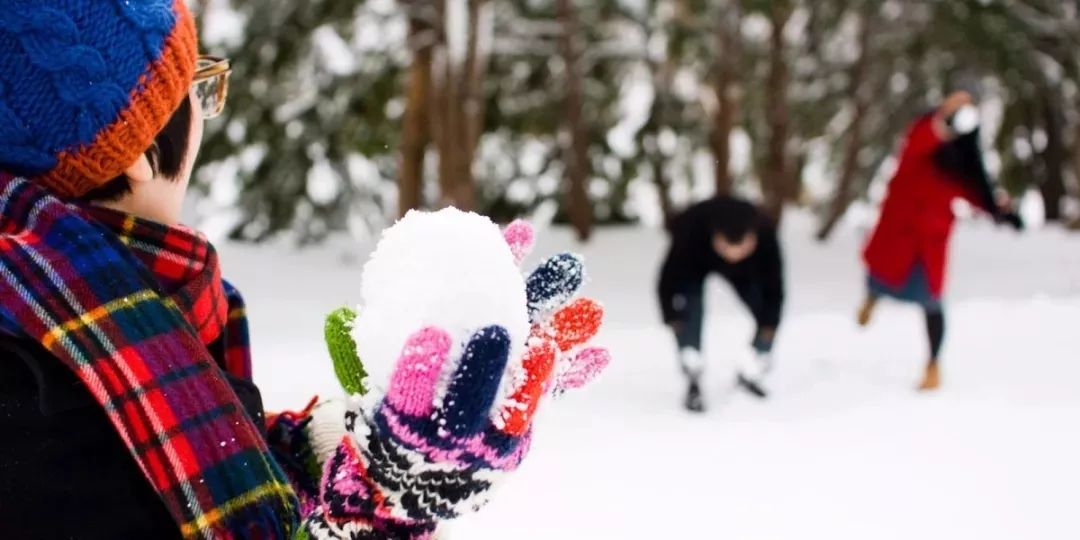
column 553, row 283
column 475, row 382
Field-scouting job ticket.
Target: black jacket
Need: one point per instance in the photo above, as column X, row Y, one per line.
column 758, row 280
column 64, row 472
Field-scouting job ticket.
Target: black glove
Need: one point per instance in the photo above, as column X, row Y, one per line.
column 1011, row 218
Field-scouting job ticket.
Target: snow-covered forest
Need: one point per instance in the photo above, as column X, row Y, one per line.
column 345, row 113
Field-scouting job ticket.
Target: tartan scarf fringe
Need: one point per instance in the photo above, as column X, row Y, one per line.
column 133, row 324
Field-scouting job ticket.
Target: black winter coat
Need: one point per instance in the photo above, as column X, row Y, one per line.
column 64, row 471
column 758, row 280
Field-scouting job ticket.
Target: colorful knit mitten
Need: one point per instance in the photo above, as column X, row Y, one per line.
column 457, row 414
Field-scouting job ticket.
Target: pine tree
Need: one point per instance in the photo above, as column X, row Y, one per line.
column 344, row 114
column 308, row 138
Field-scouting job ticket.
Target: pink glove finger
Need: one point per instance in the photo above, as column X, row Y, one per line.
column 576, row 323
column 412, row 386
column 583, row 369
column 521, row 237
column 538, row 363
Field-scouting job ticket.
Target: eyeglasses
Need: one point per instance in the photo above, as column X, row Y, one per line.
column 211, row 84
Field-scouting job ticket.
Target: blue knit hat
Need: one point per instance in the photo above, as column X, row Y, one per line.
column 86, row 85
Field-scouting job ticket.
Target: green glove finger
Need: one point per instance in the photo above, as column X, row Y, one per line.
column 347, row 365
column 303, row 533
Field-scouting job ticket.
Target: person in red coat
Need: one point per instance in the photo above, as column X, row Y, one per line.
column 907, row 254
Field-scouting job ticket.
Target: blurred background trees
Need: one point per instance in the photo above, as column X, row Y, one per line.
column 343, row 115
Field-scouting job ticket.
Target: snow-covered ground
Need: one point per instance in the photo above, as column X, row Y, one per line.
column 845, row 449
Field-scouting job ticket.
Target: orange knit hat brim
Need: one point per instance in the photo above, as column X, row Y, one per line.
column 160, row 92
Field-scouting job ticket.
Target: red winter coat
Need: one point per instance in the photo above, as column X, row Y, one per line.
column 916, row 218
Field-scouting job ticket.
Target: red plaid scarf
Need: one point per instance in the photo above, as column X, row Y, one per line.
column 186, row 267
column 131, row 307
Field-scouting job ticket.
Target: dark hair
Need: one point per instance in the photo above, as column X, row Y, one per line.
column 962, row 159
column 733, row 218
column 166, row 156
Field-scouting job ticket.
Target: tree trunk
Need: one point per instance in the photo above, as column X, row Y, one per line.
column 458, row 116
column 775, row 178
column 416, row 120
column 729, row 58
column 442, row 97
column 476, row 70
column 576, row 155
column 468, row 109
column 663, row 192
column 845, row 187
column 662, row 75
column 453, row 120
column 1054, row 156
column 1076, row 158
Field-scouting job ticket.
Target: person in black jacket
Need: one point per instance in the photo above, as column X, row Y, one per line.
column 729, row 237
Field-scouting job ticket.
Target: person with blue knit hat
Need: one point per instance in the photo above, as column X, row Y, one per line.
column 126, row 403
column 127, row 408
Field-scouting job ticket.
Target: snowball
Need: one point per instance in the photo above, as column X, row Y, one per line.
column 449, row 269
column 966, row 119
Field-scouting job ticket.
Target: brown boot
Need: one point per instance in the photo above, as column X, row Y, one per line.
column 931, row 379
column 866, row 310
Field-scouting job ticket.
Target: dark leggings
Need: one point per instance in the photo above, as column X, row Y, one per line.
column 935, row 329
column 690, row 331
column 690, row 328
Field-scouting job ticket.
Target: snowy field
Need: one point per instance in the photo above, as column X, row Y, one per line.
column 845, row 449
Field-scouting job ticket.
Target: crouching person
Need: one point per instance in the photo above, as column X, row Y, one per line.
column 729, row 237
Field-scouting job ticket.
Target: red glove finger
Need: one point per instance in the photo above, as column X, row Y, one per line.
column 576, row 323
column 538, row 364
